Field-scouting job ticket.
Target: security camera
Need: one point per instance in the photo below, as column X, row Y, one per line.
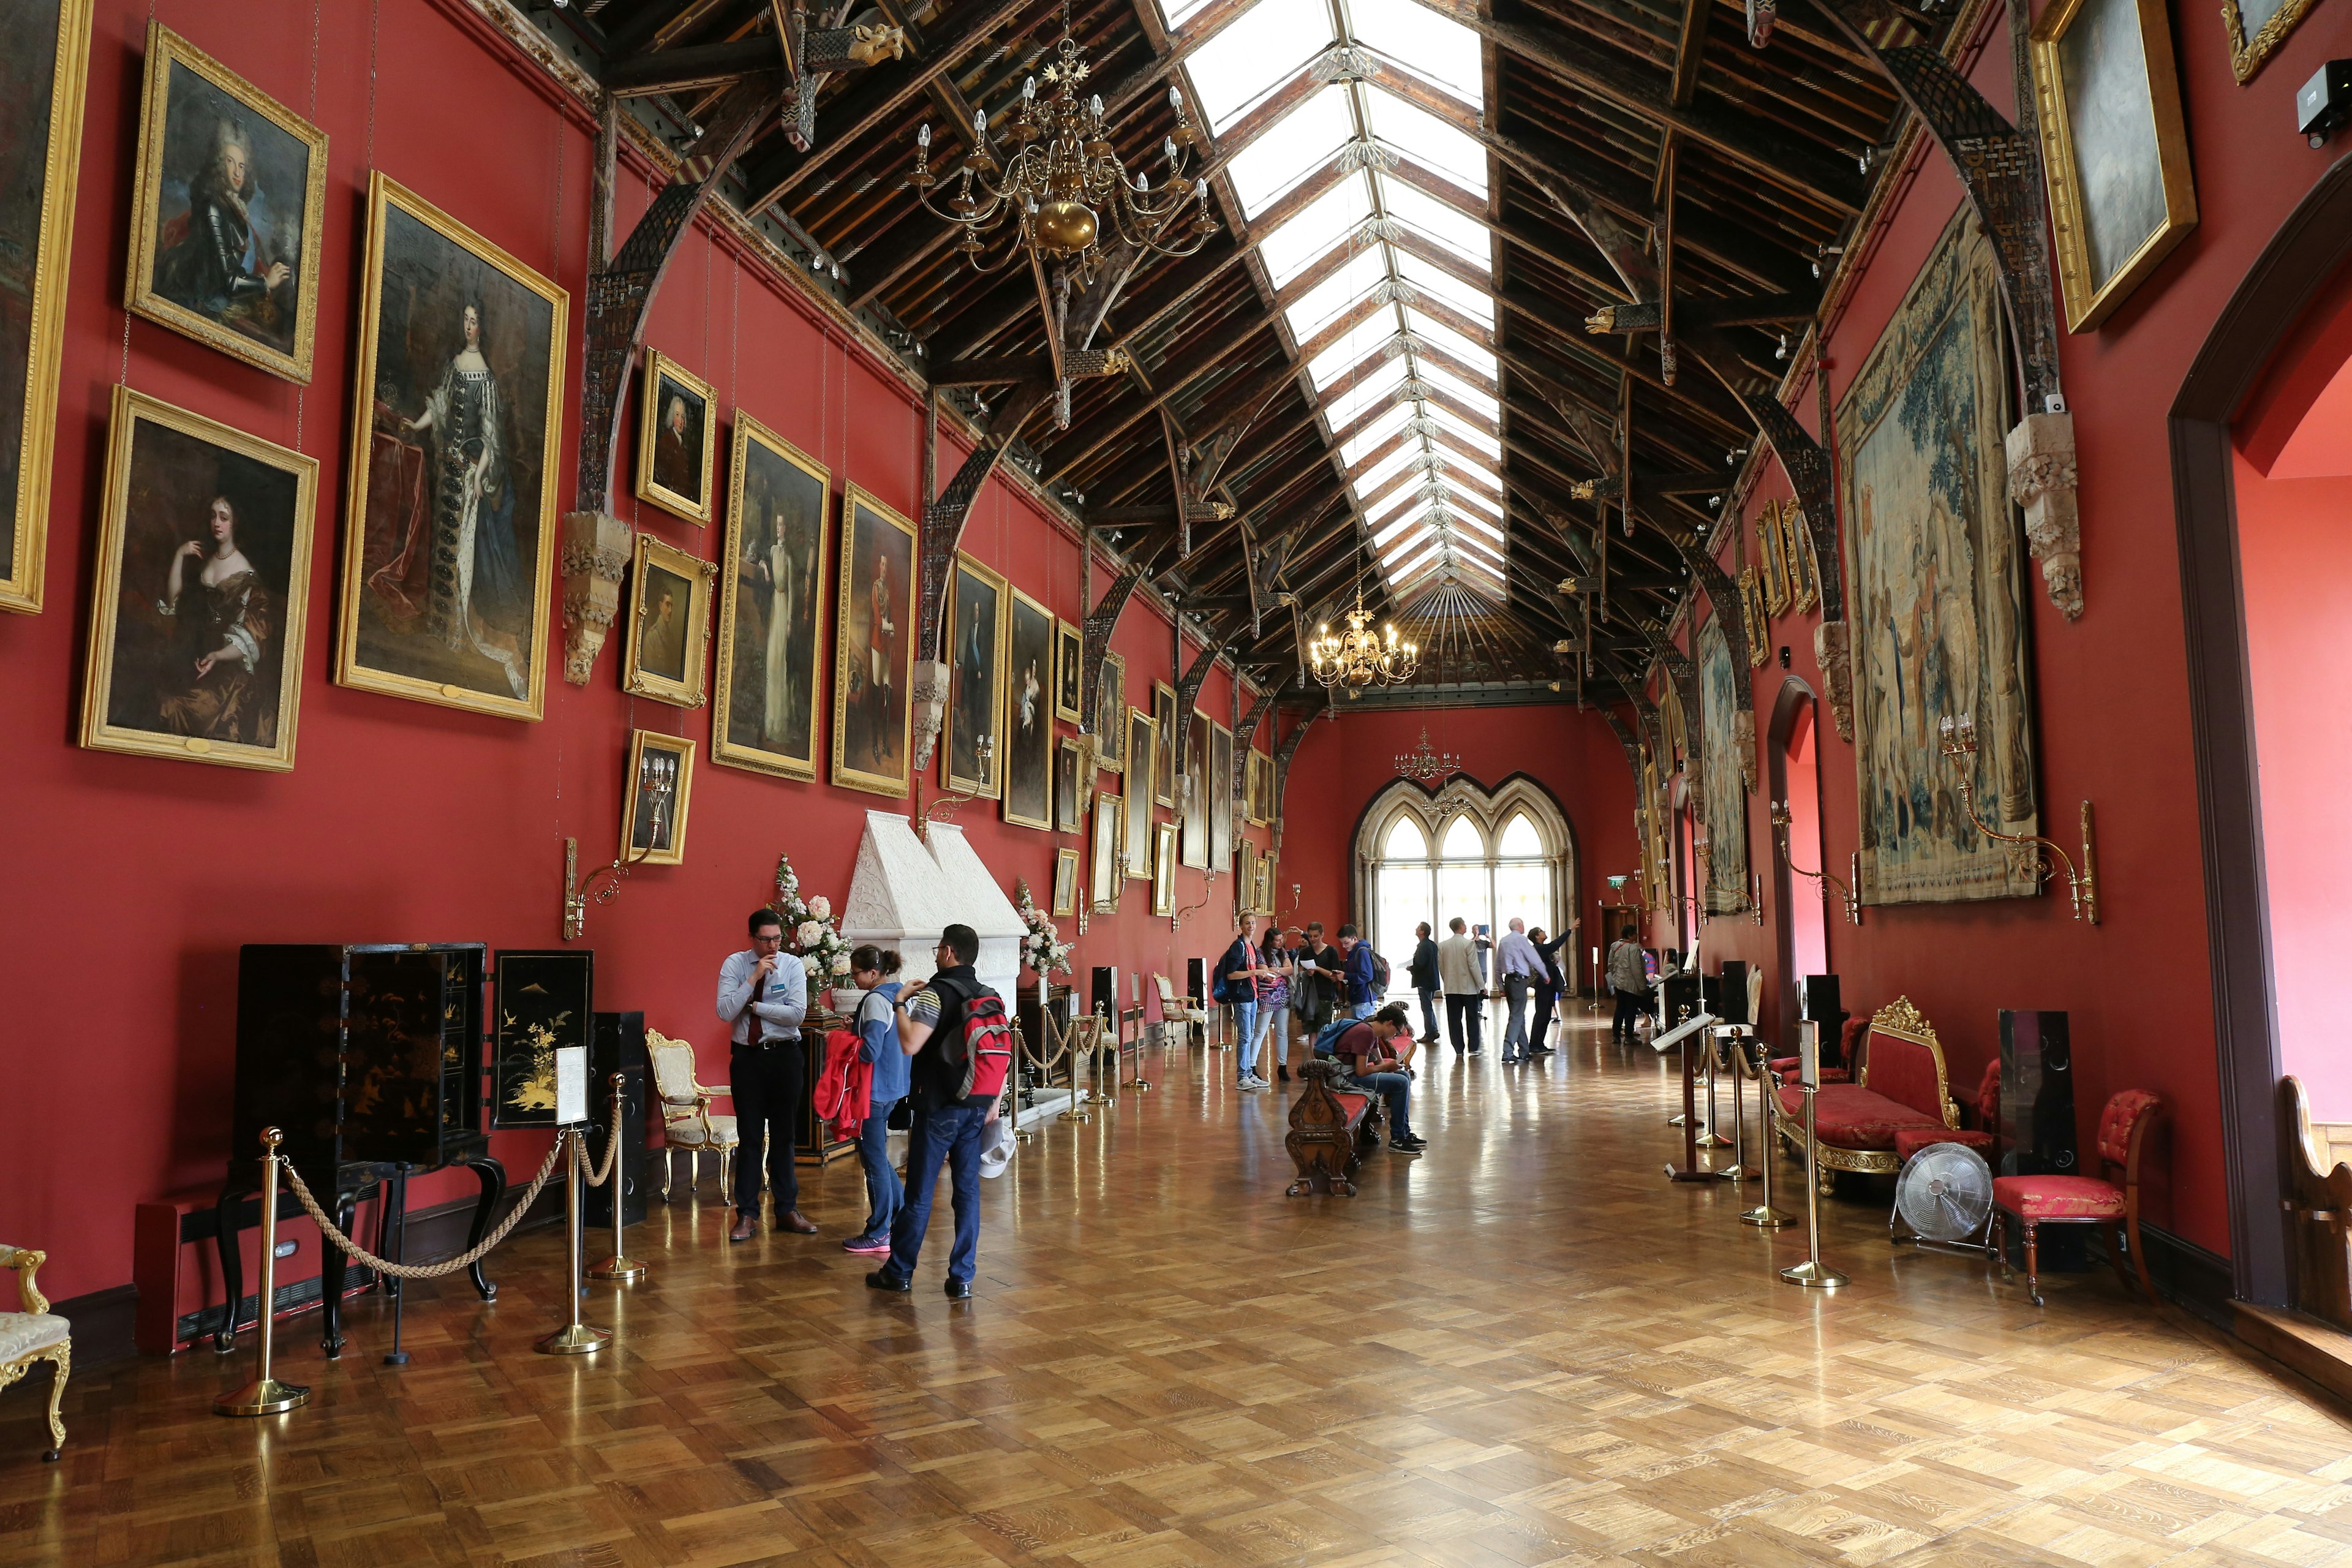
column 2325, row 102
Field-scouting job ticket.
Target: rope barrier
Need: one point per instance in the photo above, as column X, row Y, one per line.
column 596, row 1174
column 327, row 1227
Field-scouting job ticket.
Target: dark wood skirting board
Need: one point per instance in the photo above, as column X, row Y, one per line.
column 2303, row 1345
column 2299, row 261
column 102, row 1324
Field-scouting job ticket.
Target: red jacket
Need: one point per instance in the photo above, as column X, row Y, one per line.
column 843, row 1090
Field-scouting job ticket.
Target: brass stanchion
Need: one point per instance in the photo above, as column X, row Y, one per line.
column 1710, row 1138
column 1764, row 1216
column 1071, row 1111
column 1740, row 1171
column 620, row 1266
column 1095, row 1095
column 265, row 1395
column 575, row 1338
column 1813, row 1273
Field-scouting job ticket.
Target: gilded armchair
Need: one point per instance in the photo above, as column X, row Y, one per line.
column 36, row 1334
column 688, row 1124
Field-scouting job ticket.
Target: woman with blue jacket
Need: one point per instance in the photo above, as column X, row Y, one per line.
column 871, row 970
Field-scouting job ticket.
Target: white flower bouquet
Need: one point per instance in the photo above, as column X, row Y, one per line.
column 816, row 941
column 1042, row 948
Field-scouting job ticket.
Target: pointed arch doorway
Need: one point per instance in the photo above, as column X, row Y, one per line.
column 1487, row 856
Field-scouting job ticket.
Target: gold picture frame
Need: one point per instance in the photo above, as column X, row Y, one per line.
column 1142, row 743
column 1065, row 882
column 54, row 167
column 1166, row 760
column 1069, row 663
column 1069, row 793
column 1195, row 822
column 1771, row 560
column 871, row 536
column 1753, row 620
column 1110, row 821
column 1110, row 733
column 677, row 438
column 667, row 653
column 375, row 419
column 1257, row 789
column 652, row 831
column 2117, row 210
column 1221, row 796
column 204, row 707
column 216, row 96
column 1028, row 740
column 1804, row 576
column 766, row 466
column 1163, row 868
column 2249, row 52
column 1246, row 878
column 971, row 586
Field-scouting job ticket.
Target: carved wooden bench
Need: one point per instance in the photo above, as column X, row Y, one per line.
column 1332, row 1128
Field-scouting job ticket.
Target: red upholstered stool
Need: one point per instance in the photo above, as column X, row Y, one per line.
column 2082, row 1200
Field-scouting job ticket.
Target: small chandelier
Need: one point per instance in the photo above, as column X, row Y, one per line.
column 1360, row 657
column 1064, row 185
column 1427, row 765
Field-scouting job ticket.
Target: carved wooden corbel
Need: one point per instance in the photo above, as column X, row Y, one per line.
column 595, row 557
column 2043, row 481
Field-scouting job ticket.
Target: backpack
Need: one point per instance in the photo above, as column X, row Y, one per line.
column 1379, row 974
column 1221, row 988
column 1328, row 1036
column 980, row 1053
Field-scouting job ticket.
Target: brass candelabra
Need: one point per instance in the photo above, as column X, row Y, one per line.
column 943, row 808
column 1824, row 877
column 1958, row 742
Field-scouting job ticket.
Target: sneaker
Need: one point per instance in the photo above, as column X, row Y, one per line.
column 1408, row 1145
column 868, row 1244
column 1251, row 1086
column 1259, row 1080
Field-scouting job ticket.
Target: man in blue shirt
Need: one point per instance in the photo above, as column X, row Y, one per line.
column 763, row 997
column 1364, row 990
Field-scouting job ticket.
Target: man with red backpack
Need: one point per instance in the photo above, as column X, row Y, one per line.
column 956, row 1029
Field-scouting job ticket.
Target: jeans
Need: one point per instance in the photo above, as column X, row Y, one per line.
column 1629, row 1007
column 951, row 1133
column 1515, row 1006
column 1429, row 1012
column 1246, row 1030
column 1546, row 998
column 1461, row 1005
column 767, row 1084
column 1394, row 1088
column 883, row 1195
column 1361, row 1009
column 1274, row 1032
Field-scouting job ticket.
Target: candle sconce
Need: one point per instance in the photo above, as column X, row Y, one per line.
column 1957, row 742
column 1824, row 878
column 943, row 808
column 603, row 884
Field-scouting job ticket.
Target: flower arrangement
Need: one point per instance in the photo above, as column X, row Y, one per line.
column 823, row 955
column 1042, row 948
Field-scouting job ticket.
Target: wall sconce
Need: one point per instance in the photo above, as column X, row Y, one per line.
column 1958, row 742
column 1822, row 878
column 942, row 809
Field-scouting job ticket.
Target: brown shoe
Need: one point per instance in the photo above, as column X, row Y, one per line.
column 797, row 1223
column 746, row 1228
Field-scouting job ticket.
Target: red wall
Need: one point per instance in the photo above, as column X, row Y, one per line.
column 1343, row 762
column 402, row 821
column 2111, row 708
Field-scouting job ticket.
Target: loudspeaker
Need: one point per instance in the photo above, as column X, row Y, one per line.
column 2037, row 1120
column 1196, row 981
column 1731, row 1001
column 1817, row 1000
column 1102, row 992
column 1681, row 994
column 617, row 1044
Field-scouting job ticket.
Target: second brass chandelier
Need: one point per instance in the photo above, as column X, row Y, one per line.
column 1063, row 190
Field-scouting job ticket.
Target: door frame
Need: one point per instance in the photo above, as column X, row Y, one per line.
column 1794, row 696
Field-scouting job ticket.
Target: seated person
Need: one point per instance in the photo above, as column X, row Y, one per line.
column 1374, row 1067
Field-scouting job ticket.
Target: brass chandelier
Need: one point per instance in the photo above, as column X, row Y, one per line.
column 1360, row 657
column 1064, row 187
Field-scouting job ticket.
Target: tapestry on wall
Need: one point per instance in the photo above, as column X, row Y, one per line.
column 1725, row 802
column 1938, row 607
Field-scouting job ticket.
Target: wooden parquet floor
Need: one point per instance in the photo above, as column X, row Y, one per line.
column 1523, row 1348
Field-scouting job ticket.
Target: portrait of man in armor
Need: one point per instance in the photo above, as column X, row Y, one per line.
column 226, row 237
column 874, row 648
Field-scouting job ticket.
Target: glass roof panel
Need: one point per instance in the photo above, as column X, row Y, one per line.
column 1430, row 140
column 1463, row 349
column 1375, row 388
column 1372, row 434
column 1471, row 302
column 1395, row 462
column 1473, row 398
column 1336, row 293
column 1465, row 237
column 1308, row 139
column 1178, row 12
column 1463, row 431
column 1355, row 346
column 1329, row 218
column 1444, row 51
column 1259, row 50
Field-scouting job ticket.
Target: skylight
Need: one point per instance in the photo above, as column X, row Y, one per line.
column 1407, row 181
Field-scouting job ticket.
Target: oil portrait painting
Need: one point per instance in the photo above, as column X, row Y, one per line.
column 1137, row 830
column 202, row 591
column 1026, row 747
column 1067, row 804
column 449, row 550
column 1068, row 655
column 669, row 624
column 226, row 224
column 1936, row 575
column 655, row 795
column 771, row 602
column 874, row 647
column 975, row 640
column 44, row 48
column 677, row 433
